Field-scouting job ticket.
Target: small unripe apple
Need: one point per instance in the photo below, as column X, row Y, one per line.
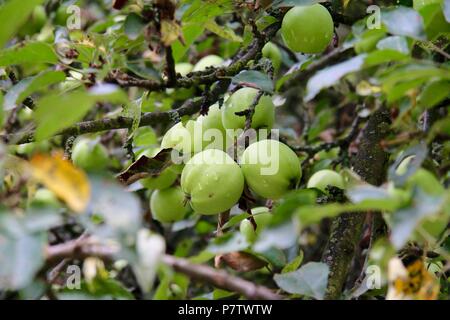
column 164, row 180
column 271, row 52
column 307, row 29
column 212, row 181
column 324, row 178
column 262, row 218
column 45, row 198
column 168, row 205
column 90, row 155
column 271, row 168
column 207, row 62
column 241, row 100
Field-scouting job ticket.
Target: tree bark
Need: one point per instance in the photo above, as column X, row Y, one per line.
column 370, row 163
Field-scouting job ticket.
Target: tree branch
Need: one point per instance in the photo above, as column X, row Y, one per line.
column 370, row 163
column 218, row 278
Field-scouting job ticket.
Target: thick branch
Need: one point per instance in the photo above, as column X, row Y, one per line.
column 370, row 163
column 203, row 273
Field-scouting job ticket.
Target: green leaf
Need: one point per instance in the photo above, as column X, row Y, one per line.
column 119, row 209
column 202, row 11
column 27, row 86
column 191, row 31
column 222, row 31
column 280, row 236
column 275, row 257
column 2, row 113
column 22, row 243
column 446, row 11
column 133, row 26
column 310, row 280
column 331, row 75
column 294, row 264
column 230, row 242
column 254, row 79
column 235, row 220
column 58, row 111
column 384, row 56
column 420, row 152
column 404, row 221
column 404, row 21
column 397, row 43
column 285, row 208
column 31, row 52
column 13, row 14
column 433, row 93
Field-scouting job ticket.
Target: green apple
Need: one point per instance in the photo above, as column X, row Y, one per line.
column 262, row 218
column 45, row 198
column 212, row 181
column 324, row 178
column 183, row 68
column 186, row 138
column 307, row 29
column 271, row 52
column 270, row 168
column 168, row 205
column 207, row 62
column 241, row 100
column 90, row 155
column 164, row 180
column 213, row 131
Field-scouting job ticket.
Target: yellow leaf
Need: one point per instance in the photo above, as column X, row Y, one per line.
column 170, row 31
column 411, row 283
column 69, row 183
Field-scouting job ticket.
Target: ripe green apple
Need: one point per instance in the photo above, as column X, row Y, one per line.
column 271, row 52
column 206, row 62
column 35, row 22
column 270, row 168
column 323, row 178
column 90, row 155
column 45, row 198
column 168, row 205
column 241, row 100
column 164, row 180
column 212, row 181
column 262, row 218
column 307, row 29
